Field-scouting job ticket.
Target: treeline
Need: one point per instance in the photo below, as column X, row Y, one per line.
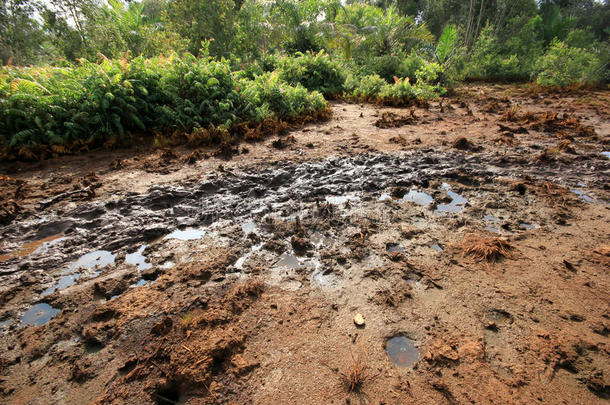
column 556, row 42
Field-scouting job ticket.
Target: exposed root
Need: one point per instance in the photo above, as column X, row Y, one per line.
column 490, row 250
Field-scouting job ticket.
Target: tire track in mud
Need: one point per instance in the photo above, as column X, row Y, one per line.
column 141, row 218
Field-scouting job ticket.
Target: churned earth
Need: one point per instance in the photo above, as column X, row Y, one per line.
column 452, row 253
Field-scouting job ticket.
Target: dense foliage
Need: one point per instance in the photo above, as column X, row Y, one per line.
column 96, row 102
column 246, row 61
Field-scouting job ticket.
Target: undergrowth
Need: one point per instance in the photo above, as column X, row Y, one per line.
column 49, row 111
column 52, row 110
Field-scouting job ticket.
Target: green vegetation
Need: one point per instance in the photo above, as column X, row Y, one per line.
column 84, row 73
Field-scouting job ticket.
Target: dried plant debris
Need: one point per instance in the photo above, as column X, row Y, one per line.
column 490, row 250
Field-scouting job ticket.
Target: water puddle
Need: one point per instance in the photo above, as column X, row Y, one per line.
column 239, row 264
column 167, row 265
column 96, row 259
column 39, row 314
column 456, row 204
column 329, row 281
column 490, row 218
column 142, row 283
column 402, row 351
column 318, row 240
column 492, row 229
column 249, row 227
column 385, row 197
column 64, row 282
column 606, row 154
column 187, row 234
column 31, row 247
column 418, row 197
column 288, row 261
column 582, row 195
column 527, row 226
column 138, row 259
column 437, row 247
column 337, row 200
column 394, row 247
column 5, row 325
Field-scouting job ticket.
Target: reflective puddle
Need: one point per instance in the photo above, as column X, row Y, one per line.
column 492, row 229
column 527, row 226
column 138, row 259
column 418, row 197
column 32, row 247
column 582, row 195
column 249, row 227
column 38, row 315
column 402, row 351
column 437, row 247
column 288, row 261
column 318, row 240
column 94, row 260
column 64, row 282
column 456, row 205
column 187, row 234
column 337, row 200
column 4, row 325
column 394, row 247
column 490, row 218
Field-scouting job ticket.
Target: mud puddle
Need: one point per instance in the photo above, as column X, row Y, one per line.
column 138, row 259
column 38, row 315
column 456, row 205
column 402, row 351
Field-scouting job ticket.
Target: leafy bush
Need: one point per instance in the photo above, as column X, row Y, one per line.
column 369, row 87
column 489, row 61
column 562, row 65
column 375, row 88
column 314, row 72
column 268, row 94
column 95, row 102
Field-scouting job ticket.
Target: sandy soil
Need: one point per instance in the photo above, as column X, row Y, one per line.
column 470, row 238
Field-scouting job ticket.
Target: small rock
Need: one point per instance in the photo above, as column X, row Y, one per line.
column 359, row 320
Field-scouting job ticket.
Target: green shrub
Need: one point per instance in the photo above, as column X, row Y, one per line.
column 94, row 102
column 369, row 87
column 267, row 95
column 562, row 65
column 390, row 66
column 512, row 61
column 375, row 88
column 314, row 72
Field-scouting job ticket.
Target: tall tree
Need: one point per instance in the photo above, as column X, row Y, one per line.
column 20, row 34
column 204, row 20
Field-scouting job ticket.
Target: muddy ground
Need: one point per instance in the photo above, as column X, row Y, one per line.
column 173, row 276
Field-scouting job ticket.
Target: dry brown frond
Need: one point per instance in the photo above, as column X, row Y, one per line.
column 356, row 374
column 510, row 114
column 489, row 249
